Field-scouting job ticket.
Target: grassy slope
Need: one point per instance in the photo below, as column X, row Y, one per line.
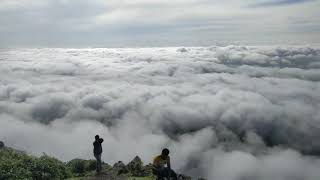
column 19, row 165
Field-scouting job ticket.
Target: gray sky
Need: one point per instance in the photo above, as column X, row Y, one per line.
column 123, row 23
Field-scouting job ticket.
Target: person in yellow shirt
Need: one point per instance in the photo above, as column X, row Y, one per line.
column 159, row 168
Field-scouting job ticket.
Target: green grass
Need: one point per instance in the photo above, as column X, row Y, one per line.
column 140, row 178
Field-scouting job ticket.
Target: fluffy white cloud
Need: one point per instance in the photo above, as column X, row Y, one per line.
column 230, row 113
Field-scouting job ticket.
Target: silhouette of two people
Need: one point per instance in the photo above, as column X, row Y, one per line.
column 161, row 163
column 97, row 151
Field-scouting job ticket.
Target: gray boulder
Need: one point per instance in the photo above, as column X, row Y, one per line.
column 136, row 167
column 120, row 168
column 182, row 50
column 183, row 177
column 1, row 144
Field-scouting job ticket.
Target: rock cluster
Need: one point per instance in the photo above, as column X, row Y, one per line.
column 183, row 177
column 134, row 167
column 1, row 144
column 120, row 168
column 137, row 169
column 182, row 50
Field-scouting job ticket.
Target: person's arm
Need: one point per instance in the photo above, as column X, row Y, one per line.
column 155, row 162
column 100, row 140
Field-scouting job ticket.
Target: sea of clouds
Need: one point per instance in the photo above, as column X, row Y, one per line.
column 226, row 113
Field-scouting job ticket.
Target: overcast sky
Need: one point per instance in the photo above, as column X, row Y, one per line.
column 123, row 23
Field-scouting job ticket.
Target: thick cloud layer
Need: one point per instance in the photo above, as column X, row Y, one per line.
column 226, row 113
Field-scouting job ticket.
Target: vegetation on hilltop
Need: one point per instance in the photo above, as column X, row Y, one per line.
column 16, row 164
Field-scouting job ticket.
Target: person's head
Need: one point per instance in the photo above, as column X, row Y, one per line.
column 165, row 152
column 97, row 137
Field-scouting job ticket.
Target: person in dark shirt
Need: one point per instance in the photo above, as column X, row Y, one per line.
column 97, row 151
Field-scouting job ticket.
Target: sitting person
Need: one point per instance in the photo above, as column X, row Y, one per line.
column 159, row 168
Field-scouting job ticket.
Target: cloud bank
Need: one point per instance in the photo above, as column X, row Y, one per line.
column 226, row 113
column 279, row 3
column 141, row 23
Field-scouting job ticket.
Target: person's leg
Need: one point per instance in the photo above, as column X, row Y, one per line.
column 165, row 172
column 95, row 156
column 161, row 173
column 96, row 162
column 173, row 174
column 99, row 162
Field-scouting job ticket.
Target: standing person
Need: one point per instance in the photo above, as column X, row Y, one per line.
column 159, row 168
column 97, row 151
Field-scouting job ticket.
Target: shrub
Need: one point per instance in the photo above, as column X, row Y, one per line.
column 80, row 167
column 18, row 165
column 49, row 168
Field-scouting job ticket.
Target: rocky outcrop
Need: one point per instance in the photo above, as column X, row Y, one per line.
column 147, row 170
column 136, row 167
column 183, row 177
column 182, row 50
column 1, row 144
column 120, row 168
